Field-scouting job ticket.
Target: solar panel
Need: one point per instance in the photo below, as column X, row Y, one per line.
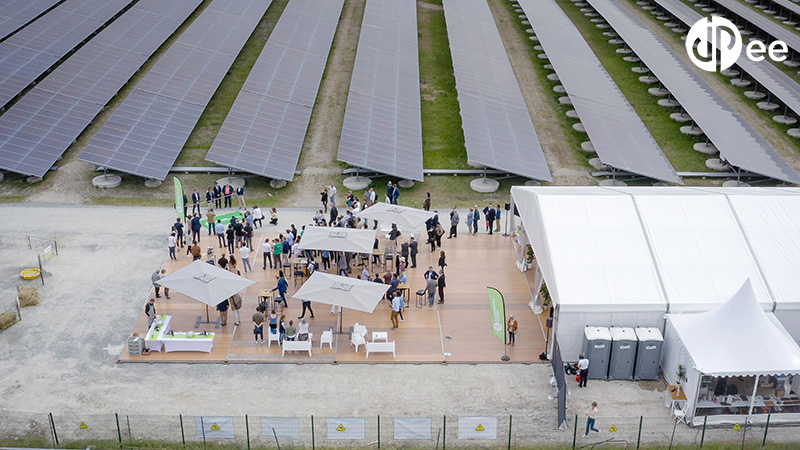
column 765, row 24
column 767, row 75
column 788, row 4
column 618, row 134
column 265, row 129
column 498, row 131
column 40, row 127
column 29, row 53
column 737, row 140
column 382, row 128
column 146, row 133
column 16, row 13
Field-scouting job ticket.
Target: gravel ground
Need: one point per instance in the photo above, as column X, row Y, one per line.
column 62, row 357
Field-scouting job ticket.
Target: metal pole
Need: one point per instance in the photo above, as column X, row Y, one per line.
column 575, row 432
column 119, row 433
column 444, row 434
column 639, row 438
column 247, row 428
column 41, row 269
column 130, row 435
column 764, row 441
column 379, row 432
column 53, row 428
column 672, row 439
column 703, row 436
column 744, row 432
column 509, row 431
column 203, row 427
column 313, row 444
column 276, row 438
column 183, row 435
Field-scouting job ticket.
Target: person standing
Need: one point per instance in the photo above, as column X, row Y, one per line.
column 227, row 193
column 397, row 305
column 431, row 287
column 244, row 251
column 240, row 196
column 497, row 213
column 591, row 415
column 583, row 366
column 324, row 199
column 306, row 305
column 195, row 202
column 150, row 312
column 282, row 287
column 197, row 252
column 258, row 326
column 196, row 227
column 210, row 197
column 454, row 219
column 219, row 228
column 441, row 285
column 332, row 195
column 266, row 248
column 442, row 263
column 172, row 241
column 476, row 219
column 393, row 235
column 247, row 233
column 395, row 194
column 341, row 265
column 277, row 249
column 236, row 304
column 179, row 233
column 469, row 221
column 222, row 262
column 490, row 218
column 222, row 307
column 211, row 218
column 217, row 196
column 413, row 250
column 512, row 327
column 426, row 204
column 155, row 278
column 230, row 234
column 166, row 289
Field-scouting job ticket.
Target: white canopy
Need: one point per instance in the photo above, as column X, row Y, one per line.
column 342, row 291
column 737, row 338
column 338, row 239
column 205, row 283
column 403, row 216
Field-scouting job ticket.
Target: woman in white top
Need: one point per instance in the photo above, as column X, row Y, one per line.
column 245, row 252
column 302, row 330
column 266, row 247
column 257, row 216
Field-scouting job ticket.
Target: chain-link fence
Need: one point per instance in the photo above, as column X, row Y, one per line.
column 269, row 431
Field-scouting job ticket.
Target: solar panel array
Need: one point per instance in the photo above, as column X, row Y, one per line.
column 498, row 130
column 16, row 13
column 763, row 23
column 382, row 128
column 146, row 133
column 788, row 4
column 40, row 127
column 767, row 75
column 737, row 140
column 29, row 53
column 265, row 129
column 618, row 134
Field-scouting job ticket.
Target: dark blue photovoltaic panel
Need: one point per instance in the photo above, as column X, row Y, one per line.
column 498, row 131
column 40, row 127
column 16, row 13
column 382, row 128
column 265, row 129
column 147, row 132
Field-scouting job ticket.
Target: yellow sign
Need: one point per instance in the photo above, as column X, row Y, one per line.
column 613, row 429
column 737, row 427
column 84, row 426
column 480, row 427
column 340, row 427
column 215, row 427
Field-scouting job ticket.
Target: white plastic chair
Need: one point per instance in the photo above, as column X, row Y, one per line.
column 327, row 338
column 357, row 339
column 359, row 329
column 380, row 336
column 273, row 337
column 679, row 413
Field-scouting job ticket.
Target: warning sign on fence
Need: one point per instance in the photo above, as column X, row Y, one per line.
column 83, row 426
column 477, row 428
column 613, row 429
column 346, row 428
column 737, row 427
column 215, row 427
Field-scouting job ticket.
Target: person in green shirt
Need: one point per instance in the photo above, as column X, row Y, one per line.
column 291, row 331
column 277, row 247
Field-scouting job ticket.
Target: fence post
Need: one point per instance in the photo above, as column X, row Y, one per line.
column 444, row 432
column 379, row 431
column 53, row 428
column 130, row 435
column 744, row 432
column 703, row 436
column 764, row 442
column 119, row 432
column 203, row 429
column 639, row 438
column 509, row 431
column 41, row 269
column 247, row 427
column 183, row 435
column 575, row 432
column 313, row 444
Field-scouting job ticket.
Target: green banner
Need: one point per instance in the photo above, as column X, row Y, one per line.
column 497, row 310
column 178, row 196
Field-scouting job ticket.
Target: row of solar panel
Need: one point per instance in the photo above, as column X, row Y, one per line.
column 40, row 127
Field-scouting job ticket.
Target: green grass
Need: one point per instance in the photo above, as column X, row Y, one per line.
column 676, row 146
column 442, row 135
column 210, row 122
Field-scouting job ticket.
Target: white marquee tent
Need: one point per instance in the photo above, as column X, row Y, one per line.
column 626, row 256
column 734, row 339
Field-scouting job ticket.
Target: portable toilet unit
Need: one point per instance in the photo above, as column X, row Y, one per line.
column 623, row 353
column 648, row 354
column 597, row 349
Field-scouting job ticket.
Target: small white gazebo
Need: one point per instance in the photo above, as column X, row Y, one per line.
column 338, row 239
column 403, row 216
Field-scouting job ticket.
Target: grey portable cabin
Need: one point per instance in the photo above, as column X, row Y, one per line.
column 648, row 356
column 597, row 349
column 623, row 353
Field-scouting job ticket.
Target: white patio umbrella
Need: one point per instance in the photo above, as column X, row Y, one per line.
column 205, row 283
column 403, row 216
column 344, row 292
column 338, row 239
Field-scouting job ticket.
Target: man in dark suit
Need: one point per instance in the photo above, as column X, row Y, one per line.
column 217, row 196
column 490, row 214
column 195, row 202
column 412, row 249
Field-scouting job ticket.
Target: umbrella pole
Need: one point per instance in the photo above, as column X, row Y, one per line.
column 340, row 319
column 208, row 320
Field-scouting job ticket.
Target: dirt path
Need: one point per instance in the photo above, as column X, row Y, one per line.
column 775, row 137
column 563, row 161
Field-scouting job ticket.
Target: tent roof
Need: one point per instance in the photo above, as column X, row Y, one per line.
column 205, row 283
column 342, row 291
column 745, row 340
column 403, row 216
column 338, row 239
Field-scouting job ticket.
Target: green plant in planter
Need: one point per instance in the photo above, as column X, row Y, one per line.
column 529, row 254
column 681, row 375
column 545, row 295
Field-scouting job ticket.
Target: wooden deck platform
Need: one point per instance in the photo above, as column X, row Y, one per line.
column 459, row 328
